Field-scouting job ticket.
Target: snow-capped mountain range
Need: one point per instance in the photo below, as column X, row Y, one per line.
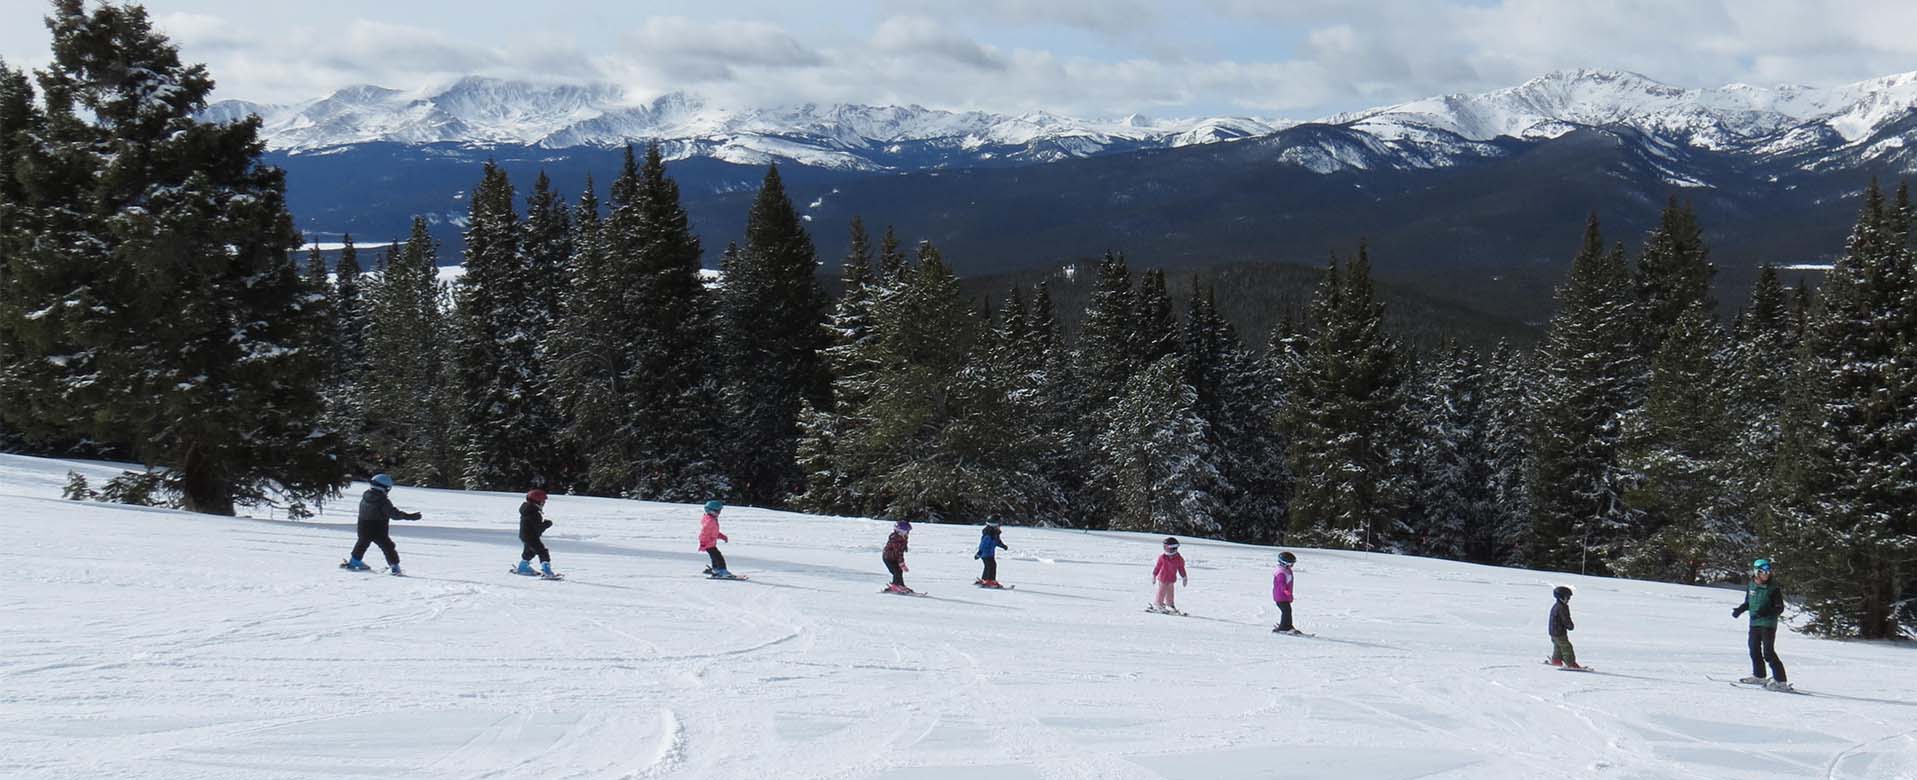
column 487, row 111
column 1433, row 132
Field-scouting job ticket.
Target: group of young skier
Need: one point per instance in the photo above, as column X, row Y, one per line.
column 1763, row 598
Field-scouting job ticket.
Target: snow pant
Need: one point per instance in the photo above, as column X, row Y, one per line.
column 991, row 570
column 534, row 547
column 385, row 542
column 1164, row 598
column 898, row 572
column 1764, row 649
column 1284, row 616
column 1561, row 651
column 718, row 561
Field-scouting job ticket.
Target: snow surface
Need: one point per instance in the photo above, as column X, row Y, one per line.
column 146, row 643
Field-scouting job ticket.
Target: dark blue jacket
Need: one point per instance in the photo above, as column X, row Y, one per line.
column 989, row 545
column 375, row 509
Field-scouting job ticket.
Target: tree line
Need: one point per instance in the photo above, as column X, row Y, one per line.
column 155, row 308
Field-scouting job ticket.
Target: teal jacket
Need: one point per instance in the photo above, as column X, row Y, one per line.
column 1764, row 602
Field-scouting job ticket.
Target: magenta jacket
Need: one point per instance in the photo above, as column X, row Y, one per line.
column 1281, row 584
column 709, row 535
column 1169, row 568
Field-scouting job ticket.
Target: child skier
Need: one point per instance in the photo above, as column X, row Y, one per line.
column 989, row 544
column 1765, row 601
column 1560, row 628
column 375, row 510
column 1169, row 569
column 709, row 538
column 1281, row 580
column 894, row 557
column 532, row 524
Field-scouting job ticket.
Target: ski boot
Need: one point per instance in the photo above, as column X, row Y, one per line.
column 394, row 570
column 897, row 588
column 707, row 572
column 354, row 564
column 545, row 570
column 1555, row 662
column 1779, row 685
column 525, row 567
column 1764, row 681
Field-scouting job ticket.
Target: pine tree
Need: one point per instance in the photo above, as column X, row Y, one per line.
column 1588, row 372
column 1673, row 273
column 18, row 117
column 1692, row 525
column 1344, row 416
column 1848, row 462
column 1453, row 461
column 1238, row 400
column 500, row 313
column 771, row 309
column 345, row 396
column 1760, row 365
column 410, row 400
column 582, row 358
column 1155, row 327
column 832, row 480
column 1154, row 454
column 942, row 440
column 151, row 281
column 1508, row 453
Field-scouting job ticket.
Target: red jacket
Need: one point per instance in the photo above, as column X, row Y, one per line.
column 1169, row 569
column 709, row 535
column 894, row 548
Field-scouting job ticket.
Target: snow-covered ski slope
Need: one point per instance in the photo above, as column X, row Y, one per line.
column 142, row 643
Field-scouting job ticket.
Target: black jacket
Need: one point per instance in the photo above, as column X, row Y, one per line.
column 375, row 510
column 532, row 521
column 1561, row 619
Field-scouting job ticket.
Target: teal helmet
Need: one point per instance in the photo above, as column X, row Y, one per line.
column 715, row 505
column 1761, row 564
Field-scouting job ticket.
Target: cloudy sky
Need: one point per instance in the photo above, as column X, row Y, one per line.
column 1272, row 58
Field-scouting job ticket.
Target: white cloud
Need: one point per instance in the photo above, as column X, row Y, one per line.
column 1295, row 58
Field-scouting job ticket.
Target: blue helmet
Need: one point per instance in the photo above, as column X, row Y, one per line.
column 1761, row 564
column 382, row 481
column 715, row 505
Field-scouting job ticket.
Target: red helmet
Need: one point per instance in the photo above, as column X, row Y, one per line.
column 536, row 496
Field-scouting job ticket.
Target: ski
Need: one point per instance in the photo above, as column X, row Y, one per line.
column 537, row 574
column 727, row 577
column 1293, row 632
column 1156, row 610
column 907, row 592
column 1763, row 686
column 348, row 566
column 983, row 586
column 1563, row 668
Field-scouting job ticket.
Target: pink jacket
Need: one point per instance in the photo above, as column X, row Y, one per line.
column 1169, row 568
column 1281, row 585
column 709, row 535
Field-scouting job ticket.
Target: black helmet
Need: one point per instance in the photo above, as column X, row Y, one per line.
column 1562, row 592
column 1287, row 558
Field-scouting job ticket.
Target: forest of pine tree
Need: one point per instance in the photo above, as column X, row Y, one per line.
column 153, row 308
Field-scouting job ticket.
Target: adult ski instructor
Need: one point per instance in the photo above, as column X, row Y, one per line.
column 1765, row 601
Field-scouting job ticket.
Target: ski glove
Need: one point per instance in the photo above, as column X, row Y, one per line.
column 545, row 524
column 724, row 538
column 1738, row 611
column 415, row 516
column 975, row 556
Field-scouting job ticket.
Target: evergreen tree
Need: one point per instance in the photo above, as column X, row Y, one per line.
column 1507, row 453
column 1343, row 418
column 943, row 440
column 1760, row 366
column 1587, row 374
column 1155, row 329
column 1848, row 462
column 411, row 405
column 892, row 259
column 584, row 357
column 151, row 283
column 1238, row 400
column 1453, row 462
column 18, row 117
column 345, row 396
column 500, row 313
column 1673, row 273
column 852, row 357
column 771, row 308
column 547, row 243
column 1154, row 454
column 1692, row 525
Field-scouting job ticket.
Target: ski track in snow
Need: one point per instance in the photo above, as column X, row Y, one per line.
column 156, row 644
